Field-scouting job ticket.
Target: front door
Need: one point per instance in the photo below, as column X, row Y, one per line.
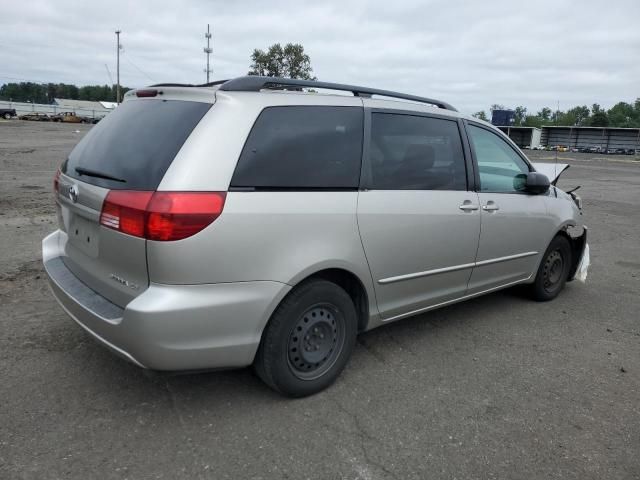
column 418, row 222
column 515, row 225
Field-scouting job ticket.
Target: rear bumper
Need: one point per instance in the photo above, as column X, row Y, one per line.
column 169, row 327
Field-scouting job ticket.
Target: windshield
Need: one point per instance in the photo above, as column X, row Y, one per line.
column 132, row 147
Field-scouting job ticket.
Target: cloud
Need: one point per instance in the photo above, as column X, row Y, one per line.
column 471, row 54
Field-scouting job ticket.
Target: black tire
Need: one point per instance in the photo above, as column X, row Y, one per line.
column 553, row 271
column 308, row 340
column 7, row 116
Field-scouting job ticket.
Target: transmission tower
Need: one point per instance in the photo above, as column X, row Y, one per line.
column 208, row 50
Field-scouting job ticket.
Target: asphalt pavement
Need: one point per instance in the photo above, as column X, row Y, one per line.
column 497, row 387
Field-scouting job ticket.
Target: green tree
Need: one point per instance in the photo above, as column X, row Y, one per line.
column 545, row 114
column 46, row 93
column 290, row 62
column 481, row 115
column 622, row 114
column 577, row 116
column 599, row 119
column 532, row 121
column 520, row 115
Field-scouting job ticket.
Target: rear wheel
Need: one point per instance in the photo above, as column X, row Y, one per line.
column 553, row 271
column 7, row 116
column 309, row 339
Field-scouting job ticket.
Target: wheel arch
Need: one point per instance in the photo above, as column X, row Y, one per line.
column 576, row 242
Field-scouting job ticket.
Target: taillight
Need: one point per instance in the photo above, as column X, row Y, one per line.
column 125, row 211
column 161, row 216
column 56, row 181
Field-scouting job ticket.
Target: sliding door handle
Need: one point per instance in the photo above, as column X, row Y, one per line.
column 467, row 206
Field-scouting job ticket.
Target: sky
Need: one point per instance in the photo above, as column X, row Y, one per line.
column 471, row 54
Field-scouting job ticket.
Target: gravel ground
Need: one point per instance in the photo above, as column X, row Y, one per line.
column 497, row 387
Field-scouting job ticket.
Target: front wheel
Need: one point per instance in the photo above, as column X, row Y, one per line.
column 553, row 271
column 308, row 340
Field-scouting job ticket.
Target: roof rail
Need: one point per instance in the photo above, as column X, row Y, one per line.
column 254, row 83
column 210, row 84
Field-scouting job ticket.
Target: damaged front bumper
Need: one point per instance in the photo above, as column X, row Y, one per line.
column 581, row 259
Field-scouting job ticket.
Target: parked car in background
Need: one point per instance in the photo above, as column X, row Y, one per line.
column 620, row 151
column 324, row 216
column 35, row 117
column 562, row 148
column 7, row 113
column 629, row 151
column 70, row 117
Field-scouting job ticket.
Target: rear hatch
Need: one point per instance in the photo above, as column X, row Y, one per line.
column 127, row 153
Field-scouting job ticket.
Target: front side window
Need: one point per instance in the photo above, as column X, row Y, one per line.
column 410, row 152
column 303, row 147
column 501, row 168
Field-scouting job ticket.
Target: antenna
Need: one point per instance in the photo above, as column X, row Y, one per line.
column 208, row 50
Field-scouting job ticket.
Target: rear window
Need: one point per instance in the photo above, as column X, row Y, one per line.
column 302, row 147
column 135, row 144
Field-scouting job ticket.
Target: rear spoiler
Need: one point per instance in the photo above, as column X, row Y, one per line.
column 551, row 170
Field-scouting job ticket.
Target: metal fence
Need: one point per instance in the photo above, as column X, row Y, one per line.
column 25, row 107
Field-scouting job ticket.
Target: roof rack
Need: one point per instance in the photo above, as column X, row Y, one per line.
column 210, row 84
column 254, row 83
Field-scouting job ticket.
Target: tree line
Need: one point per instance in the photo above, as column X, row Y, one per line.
column 622, row 114
column 277, row 61
column 46, row 92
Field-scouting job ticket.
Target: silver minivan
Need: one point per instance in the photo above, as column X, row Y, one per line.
column 267, row 221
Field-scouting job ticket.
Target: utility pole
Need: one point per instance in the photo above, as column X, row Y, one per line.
column 118, row 48
column 208, row 51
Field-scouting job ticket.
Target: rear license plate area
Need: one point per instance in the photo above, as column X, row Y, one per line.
column 83, row 234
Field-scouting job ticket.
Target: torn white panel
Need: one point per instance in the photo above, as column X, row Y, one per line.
column 583, row 266
column 551, row 170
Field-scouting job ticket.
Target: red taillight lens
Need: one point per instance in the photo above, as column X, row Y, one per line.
column 56, row 181
column 161, row 216
column 177, row 215
column 125, row 210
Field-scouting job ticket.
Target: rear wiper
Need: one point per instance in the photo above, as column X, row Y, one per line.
column 93, row 173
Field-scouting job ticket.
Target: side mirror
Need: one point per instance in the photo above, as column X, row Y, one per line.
column 537, row 183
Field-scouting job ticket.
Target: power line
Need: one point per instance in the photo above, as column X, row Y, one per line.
column 126, row 57
column 109, row 73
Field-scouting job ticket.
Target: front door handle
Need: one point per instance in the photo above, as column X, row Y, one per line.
column 490, row 207
column 467, row 206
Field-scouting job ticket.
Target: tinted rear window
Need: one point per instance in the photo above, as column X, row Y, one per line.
column 416, row 153
column 302, row 147
column 135, row 143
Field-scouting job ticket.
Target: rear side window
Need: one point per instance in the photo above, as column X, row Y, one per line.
column 302, row 147
column 133, row 146
column 410, row 152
